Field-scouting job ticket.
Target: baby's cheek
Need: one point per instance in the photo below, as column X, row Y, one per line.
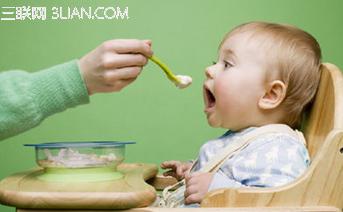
column 225, row 94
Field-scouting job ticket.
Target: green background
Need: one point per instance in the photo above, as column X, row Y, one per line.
column 167, row 123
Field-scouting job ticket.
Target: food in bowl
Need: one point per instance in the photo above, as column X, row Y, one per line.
column 80, row 154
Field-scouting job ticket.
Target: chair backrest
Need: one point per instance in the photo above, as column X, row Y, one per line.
column 322, row 183
column 327, row 111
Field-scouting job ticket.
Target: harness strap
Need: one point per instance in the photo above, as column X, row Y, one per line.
column 176, row 198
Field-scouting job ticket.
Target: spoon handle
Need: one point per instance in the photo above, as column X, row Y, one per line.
column 165, row 68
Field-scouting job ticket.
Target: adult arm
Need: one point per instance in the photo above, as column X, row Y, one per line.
column 28, row 98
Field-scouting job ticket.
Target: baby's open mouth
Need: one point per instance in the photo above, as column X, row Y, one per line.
column 210, row 100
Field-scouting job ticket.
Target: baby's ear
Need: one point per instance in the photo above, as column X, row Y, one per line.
column 275, row 93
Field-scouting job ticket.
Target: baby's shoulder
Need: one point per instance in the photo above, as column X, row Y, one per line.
column 277, row 142
column 277, row 138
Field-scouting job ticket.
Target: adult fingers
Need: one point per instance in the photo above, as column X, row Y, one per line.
column 123, row 46
column 126, row 82
column 117, row 85
column 121, row 74
column 149, row 42
column 111, row 60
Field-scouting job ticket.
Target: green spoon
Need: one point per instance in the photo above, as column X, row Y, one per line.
column 166, row 70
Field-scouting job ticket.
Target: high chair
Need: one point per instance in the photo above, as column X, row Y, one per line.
column 320, row 188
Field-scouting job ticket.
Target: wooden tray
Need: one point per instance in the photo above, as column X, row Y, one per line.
column 24, row 190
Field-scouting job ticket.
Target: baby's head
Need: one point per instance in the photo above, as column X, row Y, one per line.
column 266, row 73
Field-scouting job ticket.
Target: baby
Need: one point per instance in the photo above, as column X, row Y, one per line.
column 266, row 74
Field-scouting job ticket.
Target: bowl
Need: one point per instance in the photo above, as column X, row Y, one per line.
column 80, row 162
column 72, row 155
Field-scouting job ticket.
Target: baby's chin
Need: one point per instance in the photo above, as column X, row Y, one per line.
column 213, row 123
column 216, row 124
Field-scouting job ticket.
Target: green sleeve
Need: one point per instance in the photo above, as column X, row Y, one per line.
column 26, row 99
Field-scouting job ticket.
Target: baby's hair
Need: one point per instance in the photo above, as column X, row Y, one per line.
column 295, row 59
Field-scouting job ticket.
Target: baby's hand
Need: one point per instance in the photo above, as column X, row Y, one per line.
column 178, row 168
column 197, row 185
column 114, row 64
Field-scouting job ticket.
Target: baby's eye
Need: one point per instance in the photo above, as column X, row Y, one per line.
column 227, row 64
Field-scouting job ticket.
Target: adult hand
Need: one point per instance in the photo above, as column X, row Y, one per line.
column 114, row 64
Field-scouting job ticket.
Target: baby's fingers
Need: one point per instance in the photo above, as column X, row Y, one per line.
column 192, row 178
column 194, row 198
column 192, row 195
column 169, row 173
column 172, row 164
column 180, row 171
column 190, row 189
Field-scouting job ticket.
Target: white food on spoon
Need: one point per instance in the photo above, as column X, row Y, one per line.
column 184, row 81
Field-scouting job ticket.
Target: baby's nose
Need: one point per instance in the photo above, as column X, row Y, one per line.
column 209, row 72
